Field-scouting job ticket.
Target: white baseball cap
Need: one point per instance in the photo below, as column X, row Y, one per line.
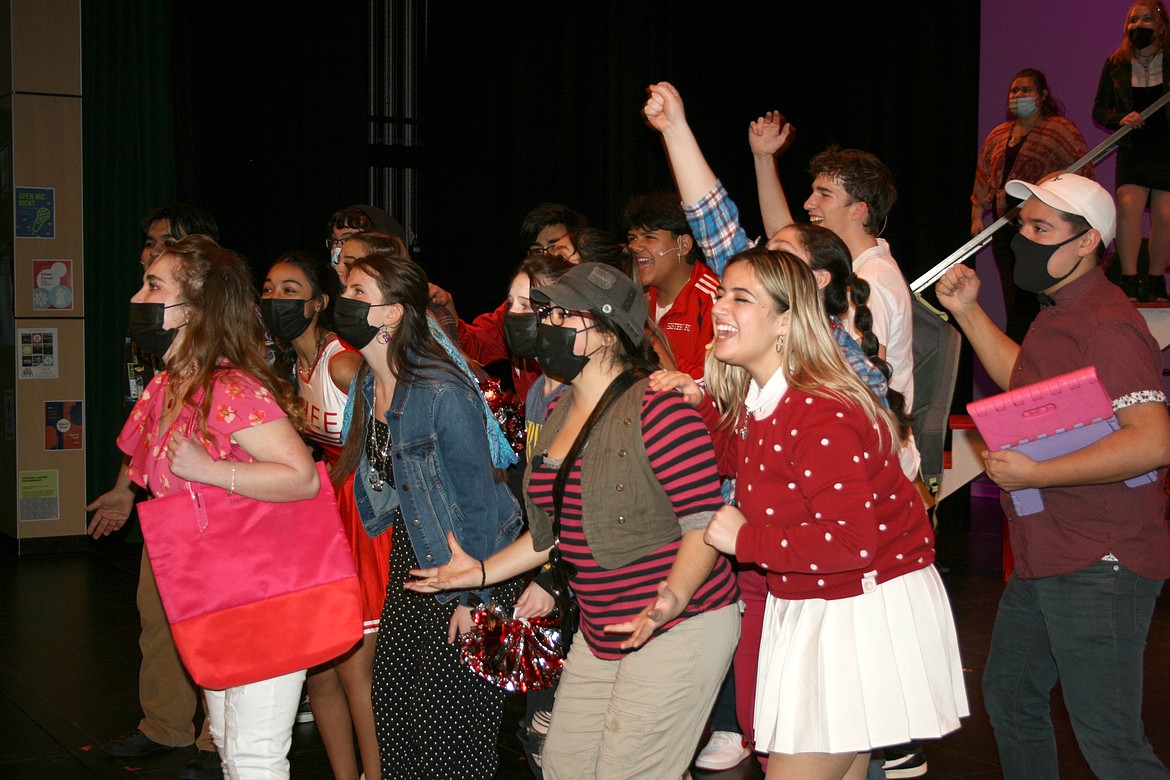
column 1073, row 194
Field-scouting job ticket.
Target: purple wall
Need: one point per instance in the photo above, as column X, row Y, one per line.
column 1066, row 39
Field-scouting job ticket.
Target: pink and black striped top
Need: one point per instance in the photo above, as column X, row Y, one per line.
column 681, row 456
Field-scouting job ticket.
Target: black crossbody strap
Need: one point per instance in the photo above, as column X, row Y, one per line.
column 617, row 388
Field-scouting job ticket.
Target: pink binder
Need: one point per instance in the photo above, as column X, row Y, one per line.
column 1047, row 419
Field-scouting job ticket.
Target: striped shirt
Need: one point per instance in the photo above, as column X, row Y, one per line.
column 680, row 453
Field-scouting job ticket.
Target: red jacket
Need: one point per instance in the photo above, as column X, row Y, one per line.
column 483, row 341
column 688, row 324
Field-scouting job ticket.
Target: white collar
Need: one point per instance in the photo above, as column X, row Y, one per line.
column 761, row 402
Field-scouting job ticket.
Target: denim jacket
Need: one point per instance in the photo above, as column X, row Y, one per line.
column 443, row 470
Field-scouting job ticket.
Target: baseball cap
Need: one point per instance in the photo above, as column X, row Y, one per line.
column 1073, row 194
column 601, row 290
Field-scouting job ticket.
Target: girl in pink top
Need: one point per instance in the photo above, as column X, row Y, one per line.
column 220, row 416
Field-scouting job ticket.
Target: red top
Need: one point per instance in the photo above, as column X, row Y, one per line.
column 826, row 501
column 680, row 454
column 688, row 324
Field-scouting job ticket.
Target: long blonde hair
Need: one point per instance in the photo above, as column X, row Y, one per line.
column 809, row 356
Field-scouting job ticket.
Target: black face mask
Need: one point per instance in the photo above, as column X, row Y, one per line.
column 146, row 327
column 1031, row 272
column 351, row 321
column 1141, row 37
column 520, row 334
column 285, row 317
column 554, row 351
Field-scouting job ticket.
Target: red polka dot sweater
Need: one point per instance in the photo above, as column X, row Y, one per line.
column 828, row 507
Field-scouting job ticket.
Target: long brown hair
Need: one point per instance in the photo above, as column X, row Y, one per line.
column 400, row 280
column 224, row 325
column 810, row 358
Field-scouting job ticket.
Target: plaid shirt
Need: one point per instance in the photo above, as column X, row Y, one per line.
column 859, row 362
column 714, row 221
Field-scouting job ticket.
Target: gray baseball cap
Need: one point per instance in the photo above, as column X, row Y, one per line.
column 603, row 291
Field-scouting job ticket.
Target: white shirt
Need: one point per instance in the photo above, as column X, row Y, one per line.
column 893, row 324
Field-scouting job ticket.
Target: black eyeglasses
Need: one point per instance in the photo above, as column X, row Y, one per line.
column 556, row 315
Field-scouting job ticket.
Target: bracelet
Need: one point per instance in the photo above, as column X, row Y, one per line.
column 232, row 487
column 482, row 576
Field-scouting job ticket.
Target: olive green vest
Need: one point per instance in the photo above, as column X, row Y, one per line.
column 626, row 513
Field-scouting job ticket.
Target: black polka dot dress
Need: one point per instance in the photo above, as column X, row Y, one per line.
column 434, row 718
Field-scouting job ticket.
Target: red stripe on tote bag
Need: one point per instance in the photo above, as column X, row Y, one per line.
column 252, row 589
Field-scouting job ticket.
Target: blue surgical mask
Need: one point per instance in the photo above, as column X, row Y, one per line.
column 1023, row 107
column 335, row 255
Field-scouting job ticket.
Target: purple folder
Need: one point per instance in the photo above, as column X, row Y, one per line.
column 1047, row 419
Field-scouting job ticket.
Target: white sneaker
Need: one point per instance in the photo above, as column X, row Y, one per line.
column 304, row 711
column 725, row 750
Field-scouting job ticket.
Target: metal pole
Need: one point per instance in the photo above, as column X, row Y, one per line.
column 981, row 239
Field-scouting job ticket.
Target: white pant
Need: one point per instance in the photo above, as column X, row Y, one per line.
column 252, row 726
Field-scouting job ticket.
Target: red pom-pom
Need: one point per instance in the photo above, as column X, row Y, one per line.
column 508, row 411
column 517, row 654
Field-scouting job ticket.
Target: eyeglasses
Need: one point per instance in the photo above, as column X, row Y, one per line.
column 536, row 248
column 332, row 242
column 556, row 315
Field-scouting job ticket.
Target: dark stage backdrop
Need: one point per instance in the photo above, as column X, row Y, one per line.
column 525, row 102
column 262, row 117
column 530, row 102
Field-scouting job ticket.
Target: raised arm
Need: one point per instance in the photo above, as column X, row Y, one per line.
column 769, row 136
column 958, row 292
column 711, row 214
column 664, row 112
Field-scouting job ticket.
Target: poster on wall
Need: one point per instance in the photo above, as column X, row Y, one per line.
column 36, row 214
column 39, row 494
column 52, row 285
column 63, row 425
column 36, row 353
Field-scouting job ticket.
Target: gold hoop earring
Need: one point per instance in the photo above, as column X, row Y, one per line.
column 383, row 336
column 779, row 343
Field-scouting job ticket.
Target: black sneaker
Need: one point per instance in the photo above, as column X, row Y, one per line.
column 135, row 744
column 904, row 761
column 204, row 766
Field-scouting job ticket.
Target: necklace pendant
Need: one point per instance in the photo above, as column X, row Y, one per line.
column 376, row 481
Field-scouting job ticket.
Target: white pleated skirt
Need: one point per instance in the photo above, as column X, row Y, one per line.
column 849, row 675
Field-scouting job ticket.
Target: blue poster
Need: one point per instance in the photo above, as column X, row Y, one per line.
column 35, row 213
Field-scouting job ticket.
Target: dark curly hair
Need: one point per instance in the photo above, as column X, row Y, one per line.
column 864, row 178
